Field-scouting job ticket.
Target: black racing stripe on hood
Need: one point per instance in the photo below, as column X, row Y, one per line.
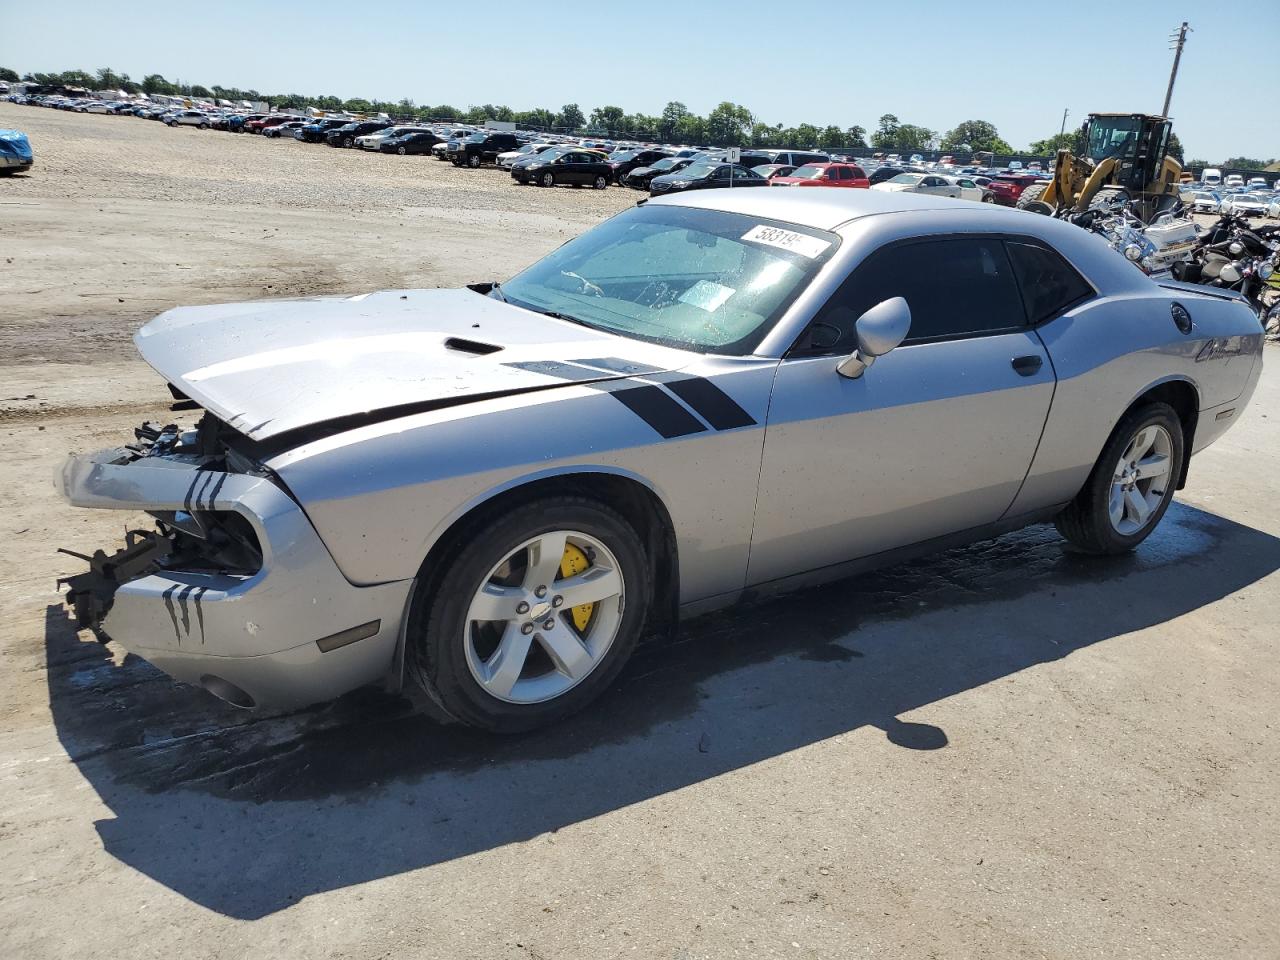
column 262, row 450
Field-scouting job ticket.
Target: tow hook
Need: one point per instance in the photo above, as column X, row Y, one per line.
column 90, row 594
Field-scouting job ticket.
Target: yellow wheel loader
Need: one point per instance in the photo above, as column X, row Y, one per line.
column 1126, row 161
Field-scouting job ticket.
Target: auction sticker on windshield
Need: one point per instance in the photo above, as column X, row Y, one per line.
column 806, row 246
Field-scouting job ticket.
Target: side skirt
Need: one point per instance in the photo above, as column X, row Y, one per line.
column 875, row 561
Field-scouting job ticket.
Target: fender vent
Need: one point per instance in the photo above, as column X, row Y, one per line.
column 471, row 346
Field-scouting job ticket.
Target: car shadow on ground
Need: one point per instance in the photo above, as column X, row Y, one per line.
column 246, row 814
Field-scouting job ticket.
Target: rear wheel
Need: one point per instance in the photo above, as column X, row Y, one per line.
column 537, row 612
column 1130, row 486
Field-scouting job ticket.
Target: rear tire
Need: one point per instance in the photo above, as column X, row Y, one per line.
column 455, row 658
column 1089, row 522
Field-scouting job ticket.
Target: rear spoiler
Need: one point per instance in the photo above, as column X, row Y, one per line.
column 1200, row 289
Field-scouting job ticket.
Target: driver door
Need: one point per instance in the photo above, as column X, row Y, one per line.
column 934, row 438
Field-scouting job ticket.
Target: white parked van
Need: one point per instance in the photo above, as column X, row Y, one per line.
column 1211, row 177
column 1234, row 180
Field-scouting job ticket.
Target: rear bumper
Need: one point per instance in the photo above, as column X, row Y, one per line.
column 292, row 633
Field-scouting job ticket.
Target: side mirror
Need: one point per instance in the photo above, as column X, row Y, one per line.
column 879, row 330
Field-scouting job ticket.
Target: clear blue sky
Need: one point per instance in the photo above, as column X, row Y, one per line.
column 931, row 64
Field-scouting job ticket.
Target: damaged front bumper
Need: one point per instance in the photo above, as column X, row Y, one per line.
column 235, row 591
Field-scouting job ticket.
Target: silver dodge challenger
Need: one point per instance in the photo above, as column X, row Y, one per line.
column 497, row 491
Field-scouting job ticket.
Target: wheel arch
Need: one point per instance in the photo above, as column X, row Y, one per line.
column 1184, row 396
column 633, row 496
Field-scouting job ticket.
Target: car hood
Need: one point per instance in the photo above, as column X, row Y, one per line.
column 272, row 367
column 893, row 187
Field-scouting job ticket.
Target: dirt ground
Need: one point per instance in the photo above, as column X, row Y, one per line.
column 1005, row 751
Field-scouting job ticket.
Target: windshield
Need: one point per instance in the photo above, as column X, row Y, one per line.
column 664, row 164
column 1112, row 137
column 808, row 173
column 689, row 278
column 907, row 178
column 702, row 168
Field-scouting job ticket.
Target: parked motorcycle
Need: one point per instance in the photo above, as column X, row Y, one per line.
column 1154, row 248
column 1235, row 256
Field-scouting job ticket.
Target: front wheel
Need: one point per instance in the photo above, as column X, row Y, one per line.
column 537, row 611
column 401, row 150
column 601, row 183
column 474, row 161
column 1130, row 486
column 348, row 141
column 548, row 179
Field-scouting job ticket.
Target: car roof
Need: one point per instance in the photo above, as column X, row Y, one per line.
column 828, row 209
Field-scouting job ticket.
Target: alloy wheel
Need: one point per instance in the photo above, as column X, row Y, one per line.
column 544, row 617
column 1140, row 480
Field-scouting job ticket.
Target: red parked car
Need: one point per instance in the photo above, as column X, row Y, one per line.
column 824, row 175
column 257, row 126
column 1008, row 187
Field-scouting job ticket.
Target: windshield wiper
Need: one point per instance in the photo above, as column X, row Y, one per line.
column 555, row 314
column 497, row 289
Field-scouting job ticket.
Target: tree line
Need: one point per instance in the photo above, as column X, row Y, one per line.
column 728, row 125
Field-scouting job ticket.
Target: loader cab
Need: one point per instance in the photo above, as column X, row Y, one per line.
column 1138, row 142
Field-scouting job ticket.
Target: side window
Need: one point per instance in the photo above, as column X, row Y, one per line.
column 955, row 288
column 1049, row 284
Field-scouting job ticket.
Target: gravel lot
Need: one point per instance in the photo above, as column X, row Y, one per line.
column 1003, row 751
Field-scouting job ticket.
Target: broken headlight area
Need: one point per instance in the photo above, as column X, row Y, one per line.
column 195, row 539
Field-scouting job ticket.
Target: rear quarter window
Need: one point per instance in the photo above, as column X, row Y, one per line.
column 1049, row 284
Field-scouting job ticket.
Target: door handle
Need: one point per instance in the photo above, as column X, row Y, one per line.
column 1028, row 366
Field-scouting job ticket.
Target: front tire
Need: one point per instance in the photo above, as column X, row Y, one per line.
column 601, row 183
column 401, row 150
column 1131, row 485
column 474, row 161
column 538, row 610
column 548, row 179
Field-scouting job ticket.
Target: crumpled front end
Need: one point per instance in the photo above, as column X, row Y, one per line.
column 233, row 590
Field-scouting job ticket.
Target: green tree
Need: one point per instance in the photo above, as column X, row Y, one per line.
column 1070, row 140
column 106, row 79
column 909, row 137
column 977, row 135
column 763, row 135
column 729, row 125
column 1175, row 147
column 805, row 136
column 570, row 117
column 155, row 83
column 9, row 76
column 205, row 93
column 855, row 136
column 541, row 118
column 886, row 134
column 691, row 129
column 358, row 105
column 1247, row 163
column 669, row 122
column 831, row 138
column 607, row 118
column 76, row 78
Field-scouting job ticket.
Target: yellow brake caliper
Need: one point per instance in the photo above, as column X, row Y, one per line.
column 573, row 563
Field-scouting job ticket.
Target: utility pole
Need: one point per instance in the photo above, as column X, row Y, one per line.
column 1063, row 128
column 1179, row 41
